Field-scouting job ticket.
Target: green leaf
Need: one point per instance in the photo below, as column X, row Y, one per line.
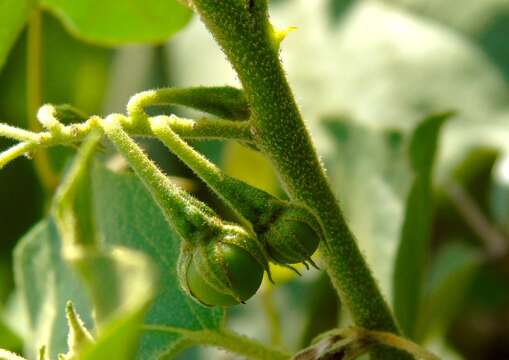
column 447, row 283
column 13, row 15
column 366, row 167
column 387, row 67
column 127, row 216
column 68, row 79
column 118, row 22
column 485, row 23
column 416, row 230
column 45, row 283
column 8, row 338
column 499, row 193
column 423, row 145
column 122, row 283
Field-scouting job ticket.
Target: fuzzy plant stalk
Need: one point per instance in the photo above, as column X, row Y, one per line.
column 289, row 231
column 243, row 30
column 220, row 264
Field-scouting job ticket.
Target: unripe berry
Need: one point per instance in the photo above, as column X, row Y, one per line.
column 293, row 236
column 226, row 271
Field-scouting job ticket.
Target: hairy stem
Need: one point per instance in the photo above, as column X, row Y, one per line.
column 7, row 355
column 12, row 132
column 226, row 340
column 245, row 35
column 202, row 129
column 46, row 175
column 225, row 102
column 178, row 207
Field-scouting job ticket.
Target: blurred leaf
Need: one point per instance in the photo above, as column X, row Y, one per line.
column 127, row 216
column 45, row 283
column 13, row 15
column 415, row 235
column 389, row 68
column 118, row 22
column 322, row 311
column 449, row 278
column 444, row 351
column 368, row 167
column 338, row 7
column 120, row 282
column 8, row 339
column 78, row 78
column 239, row 162
column 499, row 197
column 485, row 23
column 124, row 281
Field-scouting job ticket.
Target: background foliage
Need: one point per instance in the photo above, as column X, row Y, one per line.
column 366, row 73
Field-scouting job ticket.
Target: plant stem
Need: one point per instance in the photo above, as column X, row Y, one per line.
column 178, row 206
column 47, row 177
column 15, row 133
column 202, row 129
column 494, row 241
column 272, row 315
column 244, row 33
column 226, row 340
column 401, row 343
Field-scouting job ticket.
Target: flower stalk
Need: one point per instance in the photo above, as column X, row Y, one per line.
column 243, row 31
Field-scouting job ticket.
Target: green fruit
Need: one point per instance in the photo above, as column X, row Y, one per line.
column 293, row 237
column 222, row 274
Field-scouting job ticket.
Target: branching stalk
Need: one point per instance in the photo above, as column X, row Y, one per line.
column 244, row 33
column 203, row 129
column 226, row 340
column 49, row 179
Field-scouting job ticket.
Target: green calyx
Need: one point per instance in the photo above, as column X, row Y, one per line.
column 226, row 270
column 292, row 235
column 221, row 263
column 289, row 231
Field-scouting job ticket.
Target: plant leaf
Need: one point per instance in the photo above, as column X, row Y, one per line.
column 122, row 283
column 369, row 167
column 120, row 22
column 45, row 283
column 415, row 232
column 13, row 15
column 127, row 216
column 499, row 193
column 485, row 23
column 451, row 273
column 8, row 338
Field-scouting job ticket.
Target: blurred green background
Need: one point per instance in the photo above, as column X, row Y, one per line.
column 364, row 73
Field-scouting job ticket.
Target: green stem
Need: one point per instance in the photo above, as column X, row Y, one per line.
column 203, row 129
column 178, row 207
column 225, row 102
column 242, row 30
column 226, row 340
column 272, row 315
column 12, row 132
column 247, row 201
column 400, row 343
column 73, row 197
column 14, row 152
column 46, row 175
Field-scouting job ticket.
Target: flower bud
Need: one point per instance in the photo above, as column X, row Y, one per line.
column 293, row 236
column 225, row 271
